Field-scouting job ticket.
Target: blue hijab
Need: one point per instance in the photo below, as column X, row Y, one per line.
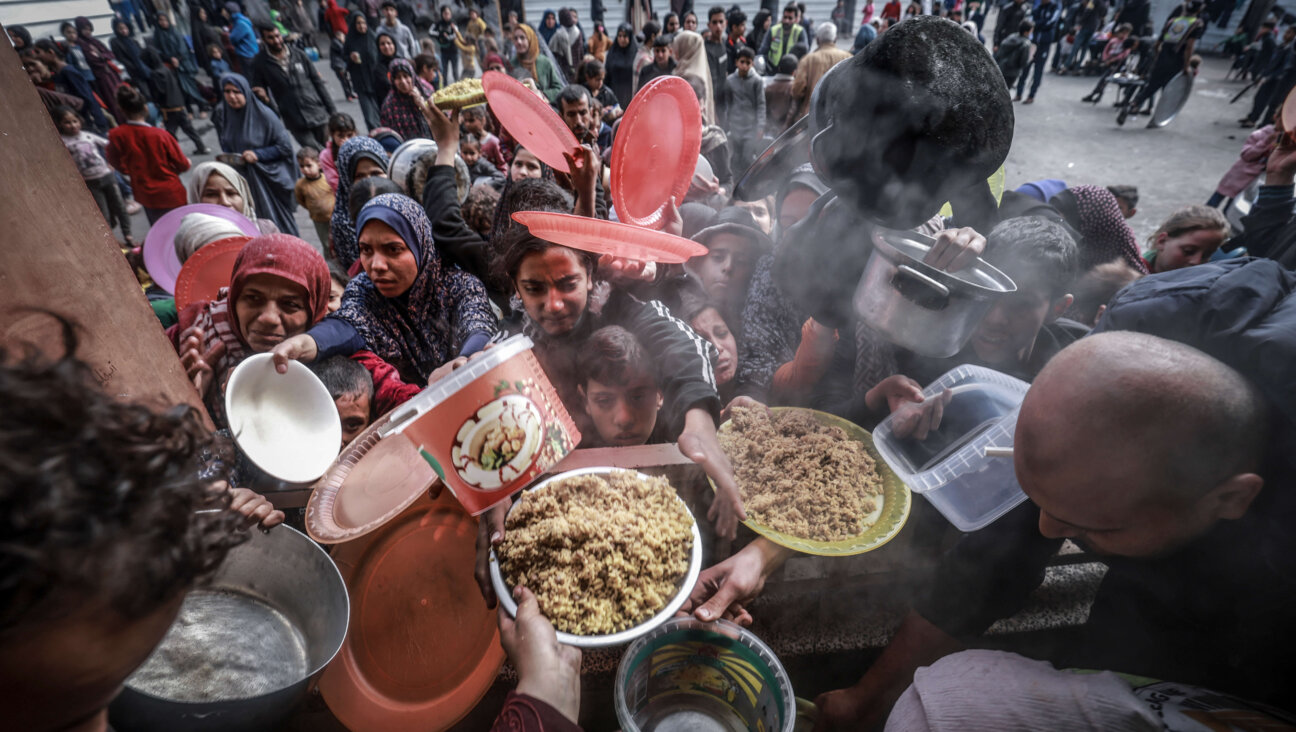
column 253, row 127
column 546, row 32
column 432, row 321
column 341, row 227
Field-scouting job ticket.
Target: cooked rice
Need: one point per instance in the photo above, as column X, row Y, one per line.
column 602, row 553
column 800, row 477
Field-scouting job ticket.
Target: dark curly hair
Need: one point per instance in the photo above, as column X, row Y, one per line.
column 100, row 499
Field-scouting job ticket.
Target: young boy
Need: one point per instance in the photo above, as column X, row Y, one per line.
column 315, row 194
column 746, row 110
column 352, row 389
column 778, row 96
column 1127, row 197
column 473, row 121
column 733, row 243
column 663, row 63
column 338, row 62
column 98, row 175
column 1015, row 53
column 428, row 69
column 479, row 168
column 216, row 62
column 150, row 157
column 169, row 97
column 618, row 388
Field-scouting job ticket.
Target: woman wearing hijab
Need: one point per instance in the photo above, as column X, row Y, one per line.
column 358, row 155
column 100, row 59
column 410, row 308
column 548, row 26
column 619, row 65
column 1094, row 212
column 691, row 65
column 760, row 26
column 128, row 51
column 385, row 42
column 175, row 53
column 361, row 50
column 250, row 129
column 203, row 35
column 529, row 57
column 20, row 37
column 220, row 185
column 279, row 288
column 402, row 109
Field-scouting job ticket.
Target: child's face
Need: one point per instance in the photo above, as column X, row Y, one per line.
column 353, row 409
column 1008, row 331
column 1123, row 35
column 69, row 125
column 594, row 83
column 1185, row 250
column 744, row 66
column 335, row 295
column 712, row 327
column 341, row 137
column 215, row 52
column 623, row 415
column 70, row 34
column 310, row 168
column 661, row 55
column 475, row 125
column 470, row 152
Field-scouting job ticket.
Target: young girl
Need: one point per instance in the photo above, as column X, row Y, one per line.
column 216, row 61
column 86, row 150
column 1189, row 237
column 341, row 127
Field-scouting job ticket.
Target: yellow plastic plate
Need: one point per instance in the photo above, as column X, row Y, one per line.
column 896, row 501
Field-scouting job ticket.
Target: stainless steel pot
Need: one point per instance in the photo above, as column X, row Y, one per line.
column 282, row 569
column 926, row 310
column 411, row 162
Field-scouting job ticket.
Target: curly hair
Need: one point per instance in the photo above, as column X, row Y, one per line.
column 101, row 500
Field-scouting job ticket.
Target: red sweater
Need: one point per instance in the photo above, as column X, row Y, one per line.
column 152, row 159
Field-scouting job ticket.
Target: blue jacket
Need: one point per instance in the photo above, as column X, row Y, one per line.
column 243, row 37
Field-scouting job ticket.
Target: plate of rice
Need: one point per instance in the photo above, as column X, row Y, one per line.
column 812, row 481
column 610, row 554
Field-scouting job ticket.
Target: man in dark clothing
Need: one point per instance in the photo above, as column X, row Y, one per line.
column 1089, row 20
column 169, row 96
column 1009, row 22
column 663, row 64
column 1174, row 50
column 1046, row 19
column 717, row 57
column 70, row 81
column 735, row 38
column 1277, row 79
column 1137, row 13
column 1261, row 50
column 283, row 77
column 1014, row 54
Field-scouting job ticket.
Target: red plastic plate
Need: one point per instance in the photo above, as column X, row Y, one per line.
column 610, row 237
column 207, row 271
column 655, row 151
column 529, row 119
column 159, row 244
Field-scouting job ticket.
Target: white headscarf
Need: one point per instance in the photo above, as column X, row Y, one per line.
column 691, row 61
column 203, row 171
column 198, row 230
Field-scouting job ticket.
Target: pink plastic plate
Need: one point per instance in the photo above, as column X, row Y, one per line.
column 610, row 237
column 655, row 151
column 159, row 246
column 530, row 121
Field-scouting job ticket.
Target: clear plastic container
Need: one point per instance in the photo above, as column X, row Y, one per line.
column 949, row 466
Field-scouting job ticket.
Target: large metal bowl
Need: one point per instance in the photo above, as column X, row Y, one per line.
column 286, row 571
column 505, row 593
column 413, row 160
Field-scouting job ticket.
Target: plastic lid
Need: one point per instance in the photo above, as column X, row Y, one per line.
column 655, row 151
column 207, row 271
column 975, row 402
column 529, row 119
column 610, row 237
column 426, row 400
column 160, row 257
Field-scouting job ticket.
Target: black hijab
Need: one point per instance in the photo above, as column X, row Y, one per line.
column 365, row 44
column 619, row 65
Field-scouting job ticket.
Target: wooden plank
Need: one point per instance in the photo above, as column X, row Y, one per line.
column 57, row 253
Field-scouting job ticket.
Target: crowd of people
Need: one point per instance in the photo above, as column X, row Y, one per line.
column 401, row 287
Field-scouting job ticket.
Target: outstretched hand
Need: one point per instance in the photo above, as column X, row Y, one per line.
column 955, row 249
column 893, row 392
column 298, row 348
column 698, row 443
column 197, row 363
column 547, row 670
column 723, row 590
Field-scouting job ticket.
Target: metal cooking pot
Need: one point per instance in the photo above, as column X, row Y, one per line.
column 771, row 168
column 411, row 162
column 287, row 571
column 926, row 310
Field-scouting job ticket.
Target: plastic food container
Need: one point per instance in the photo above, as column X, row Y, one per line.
column 490, row 427
column 949, row 467
column 690, row 675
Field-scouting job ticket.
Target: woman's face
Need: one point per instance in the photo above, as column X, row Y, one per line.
column 623, row 39
column 525, row 165
column 445, row 13
column 550, row 21
column 386, row 46
column 672, row 23
column 202, row 14
column 554, row 288
column 712, row 327
column 270, row 309
column 361, row 25
column 521, row 42
column 690, row 22
column 121, row 29
column 234, row 98
column 220, row 192
column 163, row 21
column 387, row 260
column 1185, row 250
column 403, row 83
column 367, row 168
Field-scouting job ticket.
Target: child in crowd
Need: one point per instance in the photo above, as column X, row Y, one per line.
column 618, row 389
column 473, row 121
column 1015, row 53
column 592, row 75
column 1095, row 288
column 338, row 280
column 216, row 62
column 428, row 69
column 169, row 97
column 479, row 208
column 341, row 127
column 1250, row 164
column 338, row 62
column 733, row 243
column 149, row 156
column 1127, row 197
column 478, row 167
column 98, row 174
column 1187, row 238
column 352, row 390
column 314, row 194
column 745, row 110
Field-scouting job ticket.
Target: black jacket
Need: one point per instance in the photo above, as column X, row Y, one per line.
column 1010, row 19
column 299, row 93
column 1270, row 226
